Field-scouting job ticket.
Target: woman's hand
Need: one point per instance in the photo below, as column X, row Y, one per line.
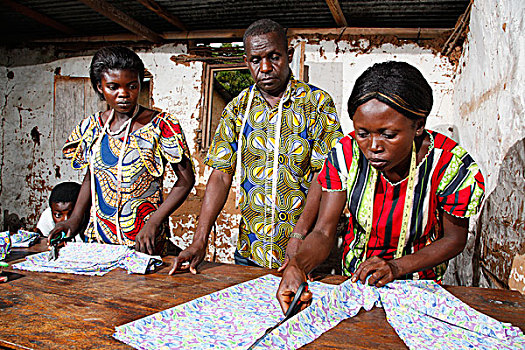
column 293, row 276
column 145, row 239
column 380, row 271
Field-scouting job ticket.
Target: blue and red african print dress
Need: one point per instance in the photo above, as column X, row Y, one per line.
column 447, row 179
column 148, row 150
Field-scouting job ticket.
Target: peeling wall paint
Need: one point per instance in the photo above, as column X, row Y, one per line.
column 489, row 102
column 334, row 67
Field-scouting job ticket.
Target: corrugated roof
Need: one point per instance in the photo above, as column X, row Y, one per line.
column 16, row 25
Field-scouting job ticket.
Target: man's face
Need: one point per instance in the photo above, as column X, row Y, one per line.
column 61, row 211
column 268, row 57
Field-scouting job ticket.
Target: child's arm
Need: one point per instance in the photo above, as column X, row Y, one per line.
column 73, row 224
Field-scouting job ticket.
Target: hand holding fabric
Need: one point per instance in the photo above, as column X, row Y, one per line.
column 192, row 256
column 380, row 271
column 145, row 239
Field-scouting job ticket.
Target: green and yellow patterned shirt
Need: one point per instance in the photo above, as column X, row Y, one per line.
column 309, row 129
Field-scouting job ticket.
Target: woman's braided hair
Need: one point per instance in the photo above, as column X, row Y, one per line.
column 398, row 84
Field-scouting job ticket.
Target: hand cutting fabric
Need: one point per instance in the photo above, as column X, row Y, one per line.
column 291, row 250
column 292, row 279
column 70, row 227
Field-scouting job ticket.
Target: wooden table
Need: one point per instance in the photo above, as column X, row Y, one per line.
column 51, row 310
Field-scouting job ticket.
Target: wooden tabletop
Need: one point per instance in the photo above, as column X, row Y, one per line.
column 66, row 311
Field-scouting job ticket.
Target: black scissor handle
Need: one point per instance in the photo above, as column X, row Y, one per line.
column 295, row 306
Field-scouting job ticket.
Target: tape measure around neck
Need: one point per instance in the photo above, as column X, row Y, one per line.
column 122, row 152
column 403, row 234
column 275, row 167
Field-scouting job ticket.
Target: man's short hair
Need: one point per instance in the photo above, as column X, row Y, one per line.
column 64, row 192
column 265, row 26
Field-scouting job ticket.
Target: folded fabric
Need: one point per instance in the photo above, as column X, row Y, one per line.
column 5, row 244
column 24, row 239
column 423, row 314
column 91, row 259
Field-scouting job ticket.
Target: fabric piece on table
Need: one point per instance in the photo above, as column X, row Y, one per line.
column 423, row 314
column 426, row 316
column 231, row 318
column 91, row 259
column 5, row 244
column 24, row 239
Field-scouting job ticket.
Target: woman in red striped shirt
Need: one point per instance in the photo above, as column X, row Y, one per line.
column 410, row 191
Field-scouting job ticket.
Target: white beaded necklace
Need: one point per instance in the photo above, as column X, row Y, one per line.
column 124, row 125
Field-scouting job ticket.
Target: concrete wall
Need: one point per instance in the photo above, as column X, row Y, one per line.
column 489, row 106
column 334, row 67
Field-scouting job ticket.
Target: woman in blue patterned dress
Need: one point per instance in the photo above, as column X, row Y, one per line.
column 125, row 151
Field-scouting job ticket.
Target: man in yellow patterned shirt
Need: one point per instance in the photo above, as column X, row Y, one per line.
column 274, row 182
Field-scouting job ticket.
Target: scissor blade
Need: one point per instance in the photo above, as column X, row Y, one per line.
column 268, row 331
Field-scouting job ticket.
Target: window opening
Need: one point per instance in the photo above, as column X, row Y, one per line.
column 223, row 82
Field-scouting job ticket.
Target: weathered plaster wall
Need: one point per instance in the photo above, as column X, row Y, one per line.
column 489, row 106
column 334, row 66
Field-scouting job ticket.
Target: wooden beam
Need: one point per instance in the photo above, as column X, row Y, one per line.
column 37, row 16
column 337, row 13
column 233, row 34
column 412, row 33
column 117, row 16
column 162, row 12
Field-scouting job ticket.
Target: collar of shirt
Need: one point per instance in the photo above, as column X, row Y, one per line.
column 290, row 91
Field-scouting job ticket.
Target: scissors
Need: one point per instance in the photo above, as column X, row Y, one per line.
column 54, row 243
column 293, row 309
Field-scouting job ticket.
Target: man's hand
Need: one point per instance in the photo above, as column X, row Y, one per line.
column 292, row 279
column 381, row 271
column 192, row 256
column 291, row 249
column 145, row 239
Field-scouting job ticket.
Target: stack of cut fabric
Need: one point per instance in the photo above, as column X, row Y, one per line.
column 91, row 259
column 24, row 239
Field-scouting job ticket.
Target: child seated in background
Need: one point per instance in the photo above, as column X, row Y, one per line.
column 61, row 203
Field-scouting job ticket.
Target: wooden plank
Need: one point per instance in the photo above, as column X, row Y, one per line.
column 162, row 12
column 117, row 16
column 52, row 310
column 233, row 34
column 422, row 33
column 37, row 16
column 337, row 13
